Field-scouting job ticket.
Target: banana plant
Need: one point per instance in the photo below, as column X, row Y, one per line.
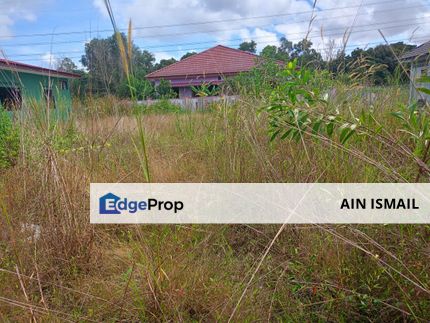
column 205, row 90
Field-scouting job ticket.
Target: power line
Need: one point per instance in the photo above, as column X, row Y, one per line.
column 235, row 45
column 170, row 45
column 300, row 33
column 199, row 23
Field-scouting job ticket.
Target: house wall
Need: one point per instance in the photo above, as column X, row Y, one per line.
column 32, row 88
column 418, row 70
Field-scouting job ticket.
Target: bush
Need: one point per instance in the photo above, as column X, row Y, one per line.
column 9, row 140
column 161, row 106
column 142, row 89
column 66, row 139
column 258, row 82
column 164, row 90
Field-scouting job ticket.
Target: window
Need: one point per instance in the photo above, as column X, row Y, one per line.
column 64, row 85
column 10, row 98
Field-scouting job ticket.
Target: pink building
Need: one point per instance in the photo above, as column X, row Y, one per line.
column 211, row 67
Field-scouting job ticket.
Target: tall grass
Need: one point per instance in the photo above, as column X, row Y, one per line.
column 54, row 266
column 163, row 273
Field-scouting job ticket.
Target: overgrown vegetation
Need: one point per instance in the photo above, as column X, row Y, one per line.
column 9, row 140
column 289, row 124
column 70, row 270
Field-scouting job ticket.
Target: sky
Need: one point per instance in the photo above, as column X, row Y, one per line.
column 40, row 32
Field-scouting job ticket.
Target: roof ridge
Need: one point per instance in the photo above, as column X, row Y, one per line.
column 152, row 74
column 238, row 50
column 16, row 64
column 416, row 51
column 181, row 60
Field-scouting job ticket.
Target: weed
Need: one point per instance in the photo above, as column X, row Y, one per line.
column 9, row 140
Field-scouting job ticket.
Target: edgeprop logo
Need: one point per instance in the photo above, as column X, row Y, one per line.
column 112, row 204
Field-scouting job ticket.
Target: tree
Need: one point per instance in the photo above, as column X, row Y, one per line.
column 306, row 55
column 142, row 62
column 269, row 51
column 250, row 46
column 66, row 65
column 378, row 65
column 285, row 48
column 274, row 53
column 188, row 54
column 165, row 62
column 103, row 62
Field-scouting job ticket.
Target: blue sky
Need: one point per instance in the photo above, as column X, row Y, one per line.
column 199, row 24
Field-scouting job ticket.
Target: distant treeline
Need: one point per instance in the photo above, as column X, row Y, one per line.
column 103, row 72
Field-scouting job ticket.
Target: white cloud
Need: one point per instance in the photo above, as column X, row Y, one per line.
column 99, row 4
column 171, row 12
column 262, row 37
column 397, row 19
column 17, row 10
column 49, row 59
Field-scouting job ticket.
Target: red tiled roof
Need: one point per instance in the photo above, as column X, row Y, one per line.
column 216, row 60
column 20, row 67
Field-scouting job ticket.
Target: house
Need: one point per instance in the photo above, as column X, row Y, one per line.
column 22, row 84
column 419, row 58
column 209, row 67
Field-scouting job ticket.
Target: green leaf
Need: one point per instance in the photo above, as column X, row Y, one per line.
column 316, row 127
column 398, row 115
column 345, row 135
column 424, row 90
column 330, row 128
column 424, row 79
column 274, row 135
column 286, row 133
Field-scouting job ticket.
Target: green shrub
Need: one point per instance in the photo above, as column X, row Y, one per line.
column 258, row 82
column 164, row 90
column 66, row 139
column 9, row 140
column 161, row 106
column 141, row 89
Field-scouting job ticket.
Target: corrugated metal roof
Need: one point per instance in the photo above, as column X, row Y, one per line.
column 421, row 50
column 216, row 60
column 20, row 67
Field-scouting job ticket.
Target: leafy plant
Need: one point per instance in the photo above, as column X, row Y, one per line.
column 296, row 108
column 424, row 79
column 9, row 140
column 206, row 89
column 415, row 124
column 164, row 90
column 65, row 139
column 258, row 82
column 142, row 88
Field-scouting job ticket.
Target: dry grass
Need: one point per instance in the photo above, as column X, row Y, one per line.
column 78, row 272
